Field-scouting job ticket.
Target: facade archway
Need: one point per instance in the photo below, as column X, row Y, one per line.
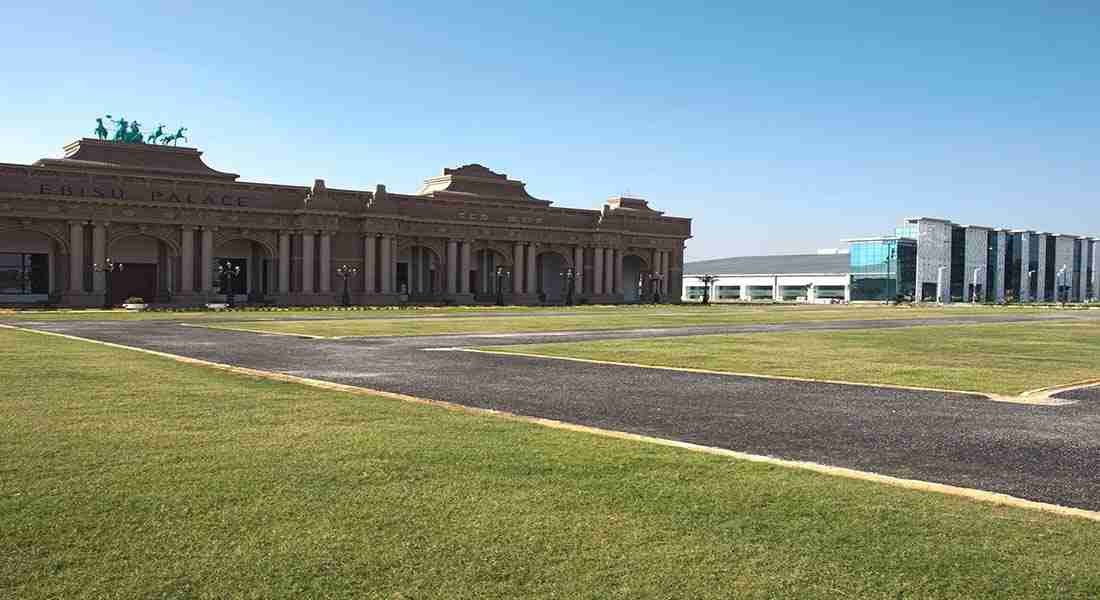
column 29, row 262
column 637, row 282
column 147, row 268
column 257, row 268
column 419, row 272
column 550, row 267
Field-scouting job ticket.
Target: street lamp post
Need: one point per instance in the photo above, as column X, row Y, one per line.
column 706, row 280
column 502, row 275
column 570, row 277
column 346, row 272
column 228, row 271
column 107, row 268
column 655, row 281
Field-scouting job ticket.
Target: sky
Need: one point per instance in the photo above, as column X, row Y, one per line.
column 779, row 127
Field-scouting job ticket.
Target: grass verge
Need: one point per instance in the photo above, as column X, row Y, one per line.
column 993, row 358
column 127, row 475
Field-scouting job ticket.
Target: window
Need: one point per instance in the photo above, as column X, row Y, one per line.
column 760, row 292
column 24, row 273
column 729, row 292
column 695, row 292
column 794, row 292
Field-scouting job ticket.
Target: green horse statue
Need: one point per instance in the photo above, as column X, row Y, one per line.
column 156, row 135
column 100, row 130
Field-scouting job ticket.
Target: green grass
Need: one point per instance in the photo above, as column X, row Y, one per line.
column 126, row 475
column 992, row 358
column 612, row 318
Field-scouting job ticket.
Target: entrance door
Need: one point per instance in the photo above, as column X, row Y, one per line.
column 135, row 279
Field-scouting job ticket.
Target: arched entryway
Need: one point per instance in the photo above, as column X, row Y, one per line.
column 28, row 267
column 636, row 287
column 146, row 271
column 419, row 273
column 484, row 279
column 552, row 284
column 254, row 260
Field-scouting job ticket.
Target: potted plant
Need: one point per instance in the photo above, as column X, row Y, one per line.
column 135, row 303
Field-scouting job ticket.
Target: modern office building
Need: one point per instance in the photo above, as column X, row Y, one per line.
column 468, row 235
column 926, row 259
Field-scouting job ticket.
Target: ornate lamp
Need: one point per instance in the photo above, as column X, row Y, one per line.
column 346, row 272
column 502, row 275
column 570, row 278
column 655, row 281
column 228, row 271
column 108, row 267
column 707, row 280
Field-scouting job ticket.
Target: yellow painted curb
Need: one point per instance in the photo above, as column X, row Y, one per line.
column 911, row 484
column 1026, row 398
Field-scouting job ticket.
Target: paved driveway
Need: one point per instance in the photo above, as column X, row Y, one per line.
column 1046, row 453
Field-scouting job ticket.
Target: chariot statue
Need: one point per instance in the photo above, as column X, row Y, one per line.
column 128, row 132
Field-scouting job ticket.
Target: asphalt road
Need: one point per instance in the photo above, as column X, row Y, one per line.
column 1045, row 453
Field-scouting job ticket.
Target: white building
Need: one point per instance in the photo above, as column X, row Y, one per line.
column 819, row 278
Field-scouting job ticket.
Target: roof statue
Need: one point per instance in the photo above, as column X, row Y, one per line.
column 127, row 132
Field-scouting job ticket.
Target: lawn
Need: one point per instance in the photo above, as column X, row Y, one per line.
column 128, row 475
column 626, row 317
column 991, row 358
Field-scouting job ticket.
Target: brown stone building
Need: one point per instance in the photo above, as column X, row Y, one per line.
column 170, row 220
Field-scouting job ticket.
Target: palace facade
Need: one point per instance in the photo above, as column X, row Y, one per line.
column 170, row 220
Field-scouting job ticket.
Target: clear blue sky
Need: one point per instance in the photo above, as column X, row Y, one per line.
column 780, row 127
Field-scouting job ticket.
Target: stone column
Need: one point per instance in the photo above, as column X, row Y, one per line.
column 464, row 270
column 665, row 259
column 187, row 259
column 207, row 269
column 532, row 271
column 369, row 246
column 325, row 262
column 387, row 264
column 609, row 271
column 99, row 257
column 76, row 257
column 307, row 262
column 517, row 269
column 578, row 270
column 284, row 262
column 597, row 272
column 619, row 272
column 452, row 266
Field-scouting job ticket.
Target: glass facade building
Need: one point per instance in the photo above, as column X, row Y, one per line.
column 883, row 269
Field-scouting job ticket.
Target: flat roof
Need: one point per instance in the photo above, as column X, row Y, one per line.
column 775, row 264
